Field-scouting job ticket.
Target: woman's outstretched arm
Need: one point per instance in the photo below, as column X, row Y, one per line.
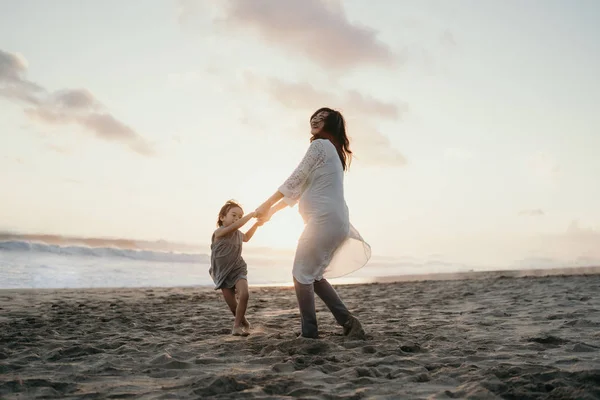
column 264, row 208
column 294, row 186
column 277, row 207
column 274, row 209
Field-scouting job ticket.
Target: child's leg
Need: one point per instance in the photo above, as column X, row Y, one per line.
column 229, row 296
column 241, row 287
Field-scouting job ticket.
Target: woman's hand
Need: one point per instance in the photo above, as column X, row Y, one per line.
column 262, row 221
column 262, row 211
column 266, row 206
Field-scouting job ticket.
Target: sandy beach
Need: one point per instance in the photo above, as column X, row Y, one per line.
column 499, row 337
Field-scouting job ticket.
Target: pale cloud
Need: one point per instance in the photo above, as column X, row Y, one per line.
column 305, row 96
column 57, row 149
column 176, row 139
column 372, row 147
column 67, row 106
column 12, row 84
column 317, row 29
column 537, row 212
column 447, row 38
column 576, row 230
column 361, row 113
column 544, row 167
column 183, row 79
column 184, row 8
column 17, row 160
column 71, row 181
column 457, row 153
column 575, row 242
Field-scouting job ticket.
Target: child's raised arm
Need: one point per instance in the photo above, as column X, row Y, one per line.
column 224, row 230
column 248, row 235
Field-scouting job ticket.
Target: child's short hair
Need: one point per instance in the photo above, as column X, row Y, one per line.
column 225, row 209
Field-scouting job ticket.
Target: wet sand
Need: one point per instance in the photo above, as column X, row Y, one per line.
column 498, row 337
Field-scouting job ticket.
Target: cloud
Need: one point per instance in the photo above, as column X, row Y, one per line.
column 12, row 84
column 457, row 153
column 447, row 39
column 544, row 167
column 532, row 213
column 72, row 181
column 576, row 242
column 305, row 96
column 361, row 112
column 183, row 80
column 67, row 106
column 184, row 8
column 577, row 231
column 317, row 29
column 372, row 147
column 16, row 160
column 57, row 149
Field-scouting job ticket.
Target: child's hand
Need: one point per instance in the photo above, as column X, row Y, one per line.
column 265, row 218
column 262, row 210
column 261, row 221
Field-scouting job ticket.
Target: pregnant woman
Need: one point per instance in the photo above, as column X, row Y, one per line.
column 329, row 245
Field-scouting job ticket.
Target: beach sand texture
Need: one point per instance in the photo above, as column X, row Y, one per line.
column 525, row 338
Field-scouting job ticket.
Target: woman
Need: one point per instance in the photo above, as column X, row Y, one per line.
column 329, row 245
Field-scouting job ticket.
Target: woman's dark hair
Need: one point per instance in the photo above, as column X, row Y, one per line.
column 225, row 209
column 334, row 129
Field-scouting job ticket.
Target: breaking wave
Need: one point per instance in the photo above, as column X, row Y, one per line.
column 85, row 251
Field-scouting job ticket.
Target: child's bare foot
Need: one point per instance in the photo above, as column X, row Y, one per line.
column 239, row 331
column 246, row 324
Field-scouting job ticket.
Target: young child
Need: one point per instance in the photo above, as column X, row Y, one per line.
column 227, row 267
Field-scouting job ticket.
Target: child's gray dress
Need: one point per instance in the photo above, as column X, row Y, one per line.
column 226, row 263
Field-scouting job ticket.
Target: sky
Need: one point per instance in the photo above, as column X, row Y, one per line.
column 473, row 122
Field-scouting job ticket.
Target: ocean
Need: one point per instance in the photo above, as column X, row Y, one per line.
column 51, row 262
column 36, row 264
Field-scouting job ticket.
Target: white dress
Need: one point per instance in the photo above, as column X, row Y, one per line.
column 329, row 245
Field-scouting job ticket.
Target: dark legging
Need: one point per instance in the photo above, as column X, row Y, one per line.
column 306, row 304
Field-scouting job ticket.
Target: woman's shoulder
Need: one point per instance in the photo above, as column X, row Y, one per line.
column 321, row 147
column 319, row 142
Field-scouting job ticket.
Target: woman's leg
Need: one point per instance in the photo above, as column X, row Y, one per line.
column 327, row 293
column 306, row 303
column 352, row 326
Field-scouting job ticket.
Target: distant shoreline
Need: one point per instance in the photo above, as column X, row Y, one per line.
column 494, row 274
column 349, row 281
column 463, row 275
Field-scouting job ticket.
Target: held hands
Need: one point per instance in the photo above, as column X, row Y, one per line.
column 262, row 211
column 263, row 216
column 261, row 221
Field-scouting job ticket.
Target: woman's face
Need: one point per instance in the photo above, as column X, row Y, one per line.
column 317, row 123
